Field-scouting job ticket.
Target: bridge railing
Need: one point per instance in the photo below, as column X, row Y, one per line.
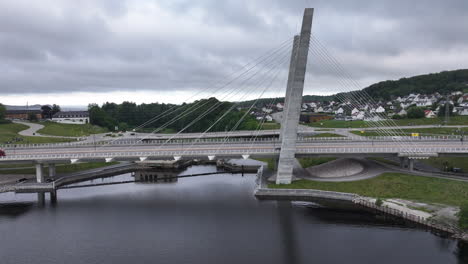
column 410, row 150
column 227, row 141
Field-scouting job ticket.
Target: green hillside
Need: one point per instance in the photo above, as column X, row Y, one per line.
column 443, row 83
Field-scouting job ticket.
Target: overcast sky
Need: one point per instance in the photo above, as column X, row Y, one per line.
column 90, row 51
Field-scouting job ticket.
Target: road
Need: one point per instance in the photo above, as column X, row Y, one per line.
column 235, row 150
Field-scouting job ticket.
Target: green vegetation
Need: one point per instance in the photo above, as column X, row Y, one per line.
column 9, row 133
column 339, row 124
column 395, row 185
column 383, row 160
column 453, row 121
column 443, row 83
column 379, row 202
column 128, row 115
column 70, row 130
column 271, row 163
column 60, row 168
column 445, row 163
column 463, row 217
column 270, row 126
column 327, row 135
column 309, row 162
column 421, row 131
column 2, row 113
column 415, row 112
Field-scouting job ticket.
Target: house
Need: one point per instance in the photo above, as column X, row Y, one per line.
column 463, row 111
column 380, row 109
column 354, row 111
column 402, row 112
column 339, row 111
column 71, row 117
column 429, row 114
column 267, row 110
column 22, row 114
column 280, row 106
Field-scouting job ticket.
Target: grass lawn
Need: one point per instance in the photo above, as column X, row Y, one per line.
column 309, row 162
column 270, row 161
column 60, row 168
column 339, row 124
column 421, row 131
column 395, row 185
column 384, row 160
column 270, row 126
column 457, row 162
column 454, row 120
column 8, row 132
column 327, row 135
column 70, row 130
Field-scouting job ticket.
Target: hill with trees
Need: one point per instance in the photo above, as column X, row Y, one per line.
column 129, row 115
column 443, row 83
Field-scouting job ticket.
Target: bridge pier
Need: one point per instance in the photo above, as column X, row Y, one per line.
column 39, row 172
column 411, row 164
column 402, row 162
column 52, row 170
column 53, row 197
column 41, row 199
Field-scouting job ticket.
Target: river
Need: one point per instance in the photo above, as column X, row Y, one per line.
column 208, row 219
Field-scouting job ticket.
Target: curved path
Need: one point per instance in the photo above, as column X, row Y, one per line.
column 32, row 130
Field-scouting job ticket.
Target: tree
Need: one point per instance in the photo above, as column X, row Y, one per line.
column 55, row 109
column 32, row 117
column 2, row 112
column 441, row 112
column 415, row 112
column 46, row 111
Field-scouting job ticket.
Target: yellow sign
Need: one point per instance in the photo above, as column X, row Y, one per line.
column 362, row 131
column 415, row 134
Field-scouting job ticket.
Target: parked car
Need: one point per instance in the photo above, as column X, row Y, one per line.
column 22, row 180
column 2, row 153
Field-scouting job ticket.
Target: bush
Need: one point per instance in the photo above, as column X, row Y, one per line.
column 463, row 217
column 415, row 112
column 378, row 202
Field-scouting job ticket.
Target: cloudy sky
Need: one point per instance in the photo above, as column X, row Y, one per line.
column 90, row 51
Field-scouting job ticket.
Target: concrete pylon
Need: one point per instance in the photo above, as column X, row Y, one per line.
column 292, row 111
column 287, row 98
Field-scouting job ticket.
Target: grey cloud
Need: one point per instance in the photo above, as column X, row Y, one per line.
column 76, row 49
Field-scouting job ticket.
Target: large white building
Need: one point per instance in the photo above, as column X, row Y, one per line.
column 72, row 117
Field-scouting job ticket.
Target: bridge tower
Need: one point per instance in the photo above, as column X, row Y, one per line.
column 293, row 100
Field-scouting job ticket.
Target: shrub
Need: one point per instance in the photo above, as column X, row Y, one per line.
column 463, row 217
column 378, row 202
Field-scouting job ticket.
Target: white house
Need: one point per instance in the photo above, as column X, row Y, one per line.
column 354, row 111
column 339, row 111
column 267, row 110
column 380, row 109
column 402, row 112
column 72, row 117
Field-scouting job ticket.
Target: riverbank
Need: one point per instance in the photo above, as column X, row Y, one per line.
column 440, row 202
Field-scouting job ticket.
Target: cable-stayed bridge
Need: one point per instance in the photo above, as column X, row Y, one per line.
column 254, row 79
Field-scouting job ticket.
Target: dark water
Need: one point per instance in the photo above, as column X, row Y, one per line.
column 209, row 219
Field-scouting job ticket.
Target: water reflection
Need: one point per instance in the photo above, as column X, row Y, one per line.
column 287, row 232
column 212, row 219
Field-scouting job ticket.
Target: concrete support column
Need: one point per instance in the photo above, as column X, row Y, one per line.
column 292, row 111
column 52, row 170
column 411, row 164
column 402, row 162
column 39, row 172
column 53, row 197
column 41, row 199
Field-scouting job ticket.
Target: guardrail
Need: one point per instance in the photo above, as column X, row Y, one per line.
column 238, row 152
column 135, row 142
